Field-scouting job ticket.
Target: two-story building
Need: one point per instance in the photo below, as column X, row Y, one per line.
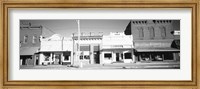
column 87, row 49
column 30, row 43
column 117, row 47
column 55, row 50
column 154, row 40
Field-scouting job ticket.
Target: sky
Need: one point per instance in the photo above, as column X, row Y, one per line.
column 67, row 27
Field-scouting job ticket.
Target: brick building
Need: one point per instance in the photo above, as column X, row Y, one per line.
column 30, row 42
column 154, row 40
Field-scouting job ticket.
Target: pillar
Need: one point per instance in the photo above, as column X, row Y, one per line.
column 174, row 57
column 41, row 58
column 120, row 58
column 92, row 54
column 51, row 60
column 102, row 58
column 133, row 56
column 113, row 57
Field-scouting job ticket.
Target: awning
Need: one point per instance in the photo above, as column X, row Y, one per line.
column 157, row 50
column 55, row 51
column 176, row 44
column 28, row 50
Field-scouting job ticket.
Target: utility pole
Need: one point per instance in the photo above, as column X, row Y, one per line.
column 79, row 33
column 73, row 49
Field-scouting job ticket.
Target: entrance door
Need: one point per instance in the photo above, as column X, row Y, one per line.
column 57, row 59
column 96, row 57
column 117, row 57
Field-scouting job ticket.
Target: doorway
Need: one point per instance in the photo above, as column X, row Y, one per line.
column 57, row 57
column 117, row 57
column 96, row 57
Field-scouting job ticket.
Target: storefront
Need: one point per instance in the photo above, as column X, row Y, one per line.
column 122, row 55
column 55, row 58
column 27, row 55
column 55, row 50
column 117, row 48
column 157, row 55
column 150, row 51
column 89, row 49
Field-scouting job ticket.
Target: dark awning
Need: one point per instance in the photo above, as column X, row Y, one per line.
column 28, row 50
column 67, row 53
column 157, row 50
column 176, row 44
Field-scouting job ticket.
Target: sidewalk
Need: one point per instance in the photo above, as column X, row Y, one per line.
column 138, row 65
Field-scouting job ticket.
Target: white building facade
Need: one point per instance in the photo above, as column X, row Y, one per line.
column 55, row 50
column 93, row 49
column 117, row 47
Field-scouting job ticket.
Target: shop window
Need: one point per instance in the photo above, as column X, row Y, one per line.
column 87, row 57
column 157, row 57
column 151, row 32
column 128, row 56
column 108, row 55
column 46, row 56
column 168, row 56
column 145, row 57
column 81, row 57
column 66, row 58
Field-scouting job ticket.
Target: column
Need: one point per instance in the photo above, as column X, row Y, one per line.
column 41, row 58
column 102, row 58
column 174, row 57
column 113, row 57
column 62, row 58
column 51, row 56
column 133, row 56
column 120, row 58
column 92, row 54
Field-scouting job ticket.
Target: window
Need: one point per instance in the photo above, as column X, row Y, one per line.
column 81, row 57
column 34, row 39
column 25, row 38
column 151, row 32
column 145, row 57
column 141, row 32
column 86, row 57
column 47, row 56
column 108, row 55
column 168, row 56
column 128, row 56
column 66, row 58
column 163, row 32
column 157, row 56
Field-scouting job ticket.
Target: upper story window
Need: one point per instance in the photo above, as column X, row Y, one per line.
column 34, row 39
column 25, row 38
column 163, row 32
column 151, row 32
column 141, row 32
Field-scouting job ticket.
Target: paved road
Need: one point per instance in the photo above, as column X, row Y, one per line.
column 153, row 65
